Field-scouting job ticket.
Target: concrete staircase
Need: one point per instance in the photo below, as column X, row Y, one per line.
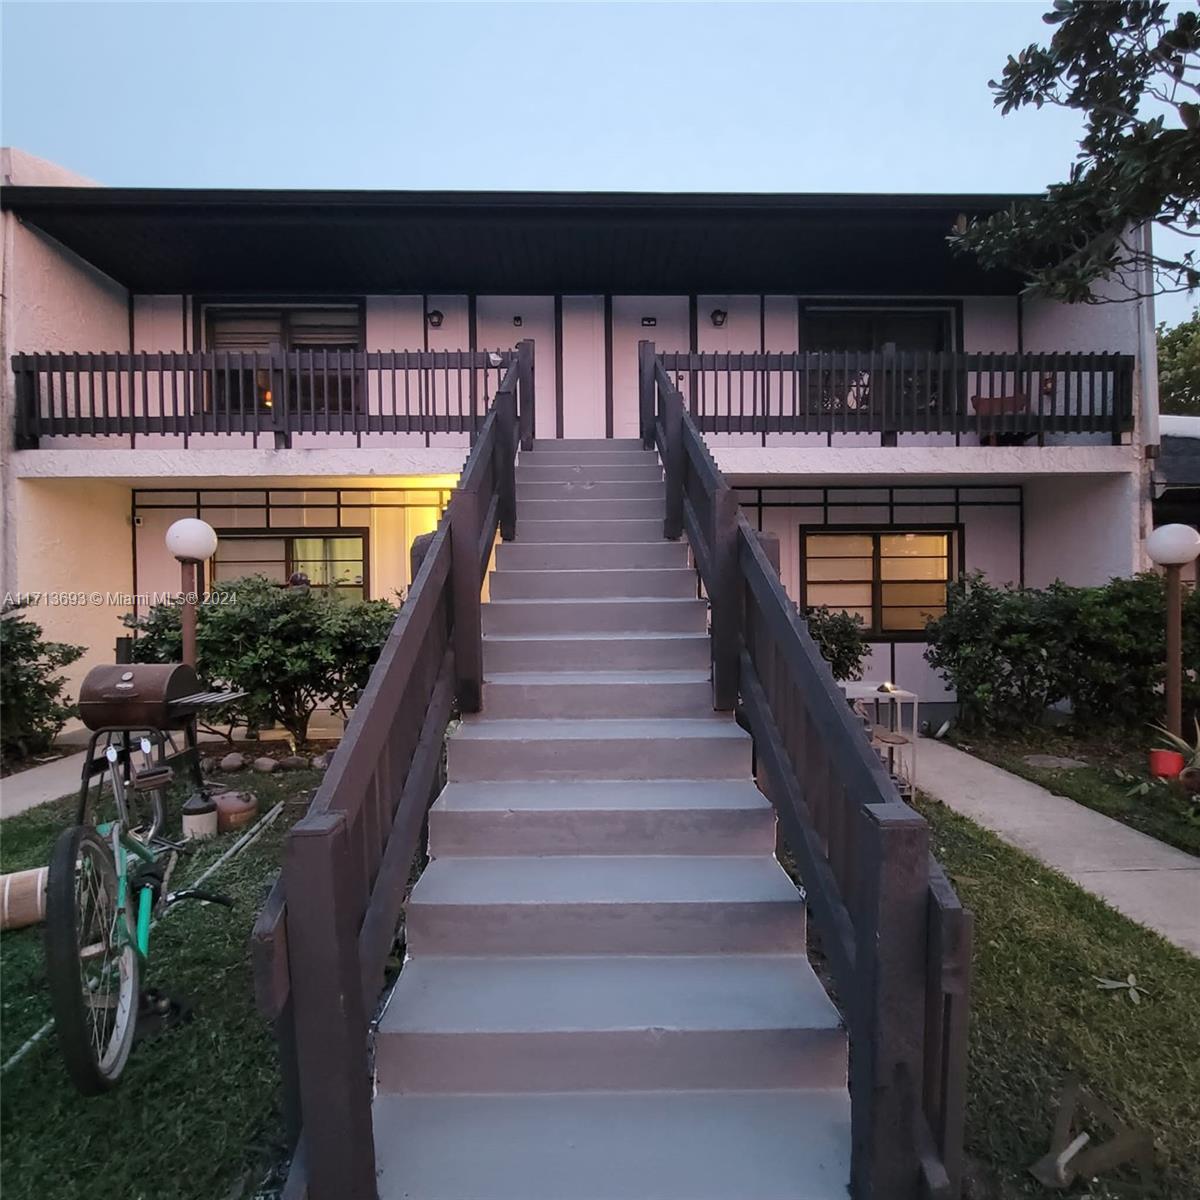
column 607, row 995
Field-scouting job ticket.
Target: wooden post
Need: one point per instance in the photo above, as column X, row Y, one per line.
column 26, row 398
column 646, row 392
column 770, row 544
column 280, row 422
column 726, row 601
column 887, row 1017
column 673, row 463
column 465, row 526
column 1174, row 650
column 505, row 463
column 526, row 392
column 320, row 877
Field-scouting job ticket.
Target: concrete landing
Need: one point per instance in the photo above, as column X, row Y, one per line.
column 1141, row 877
column 756, row 1145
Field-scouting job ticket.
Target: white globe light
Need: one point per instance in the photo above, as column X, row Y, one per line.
column 192, row 540
column 1173, row 545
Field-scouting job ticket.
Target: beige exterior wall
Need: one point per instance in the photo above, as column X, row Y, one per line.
column 72, row 542
column 49, row 299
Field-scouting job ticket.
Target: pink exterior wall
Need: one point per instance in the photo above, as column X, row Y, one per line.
column 583, row 366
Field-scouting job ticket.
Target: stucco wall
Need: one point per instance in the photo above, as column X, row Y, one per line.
column 49, row 300
column 73, row 539
column 1082, row 531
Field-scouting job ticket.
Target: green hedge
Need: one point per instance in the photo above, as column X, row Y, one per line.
column 1012, row 654
column 33, row 709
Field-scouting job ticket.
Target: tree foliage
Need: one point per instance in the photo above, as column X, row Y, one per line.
column 33, row 709
column 289, row 649
column 1132, row 69
column 1179, row 367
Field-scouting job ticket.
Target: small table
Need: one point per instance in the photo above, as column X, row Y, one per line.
column 894, row 713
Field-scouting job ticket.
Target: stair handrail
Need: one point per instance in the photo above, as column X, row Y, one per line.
column 896, row 937
column 322, row 940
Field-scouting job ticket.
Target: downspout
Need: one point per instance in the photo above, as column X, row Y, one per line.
column 1147, row 346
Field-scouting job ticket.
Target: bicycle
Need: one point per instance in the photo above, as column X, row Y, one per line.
column 107, row 884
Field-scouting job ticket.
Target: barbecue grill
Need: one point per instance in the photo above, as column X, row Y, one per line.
column 118, row 701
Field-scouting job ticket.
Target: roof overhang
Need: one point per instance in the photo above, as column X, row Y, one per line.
column 515, row 243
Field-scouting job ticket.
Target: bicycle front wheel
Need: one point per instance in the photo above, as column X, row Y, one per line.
column 93, row 975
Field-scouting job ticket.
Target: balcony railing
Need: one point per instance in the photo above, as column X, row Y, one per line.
column 995, row 398
column 268, row 395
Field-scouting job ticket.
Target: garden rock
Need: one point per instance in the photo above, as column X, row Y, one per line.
column 1053, row 762
column 209, row 765
column 265, row 765
column 293, row 762
column 320, row 761
column 233, row 762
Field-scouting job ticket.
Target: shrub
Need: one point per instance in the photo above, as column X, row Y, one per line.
column 33, row 709
column 1011, row 654
column 997, row 648
column 289, row 649
column 839, row 637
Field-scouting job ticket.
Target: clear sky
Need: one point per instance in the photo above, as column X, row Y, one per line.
column 648, row 97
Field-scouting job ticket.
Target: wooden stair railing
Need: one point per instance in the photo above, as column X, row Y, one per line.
column 897, row 939
column 322, row 940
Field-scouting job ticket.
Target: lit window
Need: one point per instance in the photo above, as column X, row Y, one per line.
column 894, row 581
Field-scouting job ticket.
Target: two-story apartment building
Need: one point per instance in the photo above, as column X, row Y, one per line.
column 302, row 369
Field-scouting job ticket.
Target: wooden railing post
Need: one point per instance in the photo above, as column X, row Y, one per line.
column 726, row 600
column 646, row 393
column 466, row 522
column 280, row 406
column 770, row 544
column 525, row 384
column 505, row 463
column 321, row 879
column 888, row 1008
column 26, row 397
column 673, row 463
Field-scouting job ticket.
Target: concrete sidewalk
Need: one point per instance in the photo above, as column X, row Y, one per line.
column 28, row 789
column 1145, row 879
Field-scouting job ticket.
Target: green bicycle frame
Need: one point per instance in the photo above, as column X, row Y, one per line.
column 139, row 939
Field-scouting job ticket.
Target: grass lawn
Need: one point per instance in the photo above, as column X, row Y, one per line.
column 196, row 1115
column 1038, row 1015
column 1104, row 784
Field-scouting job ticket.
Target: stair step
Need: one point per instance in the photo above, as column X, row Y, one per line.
column 652, row 508
column 595, row 817
column 653, row 489
column 582, row 905
column 595, row 652
column 581, row 473
column 712, row 747
column 550, row 556
column 608, row 1023
column 679, row 582
column 591, row 457
column 580, row 694
column 602, row 615
column 587, row 444
column 719, row 1145
column 584, row 530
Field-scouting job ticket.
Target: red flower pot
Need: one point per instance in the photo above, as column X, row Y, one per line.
column 1166, row 764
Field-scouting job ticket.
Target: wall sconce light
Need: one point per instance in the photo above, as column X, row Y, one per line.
column 718, row 317
column 649, row 322
column 518, row 322
column 435, row 317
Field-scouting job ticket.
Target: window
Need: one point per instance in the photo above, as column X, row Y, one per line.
column 337, row 562
column 876, row 329
column 894, row 580
column 322, row 375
